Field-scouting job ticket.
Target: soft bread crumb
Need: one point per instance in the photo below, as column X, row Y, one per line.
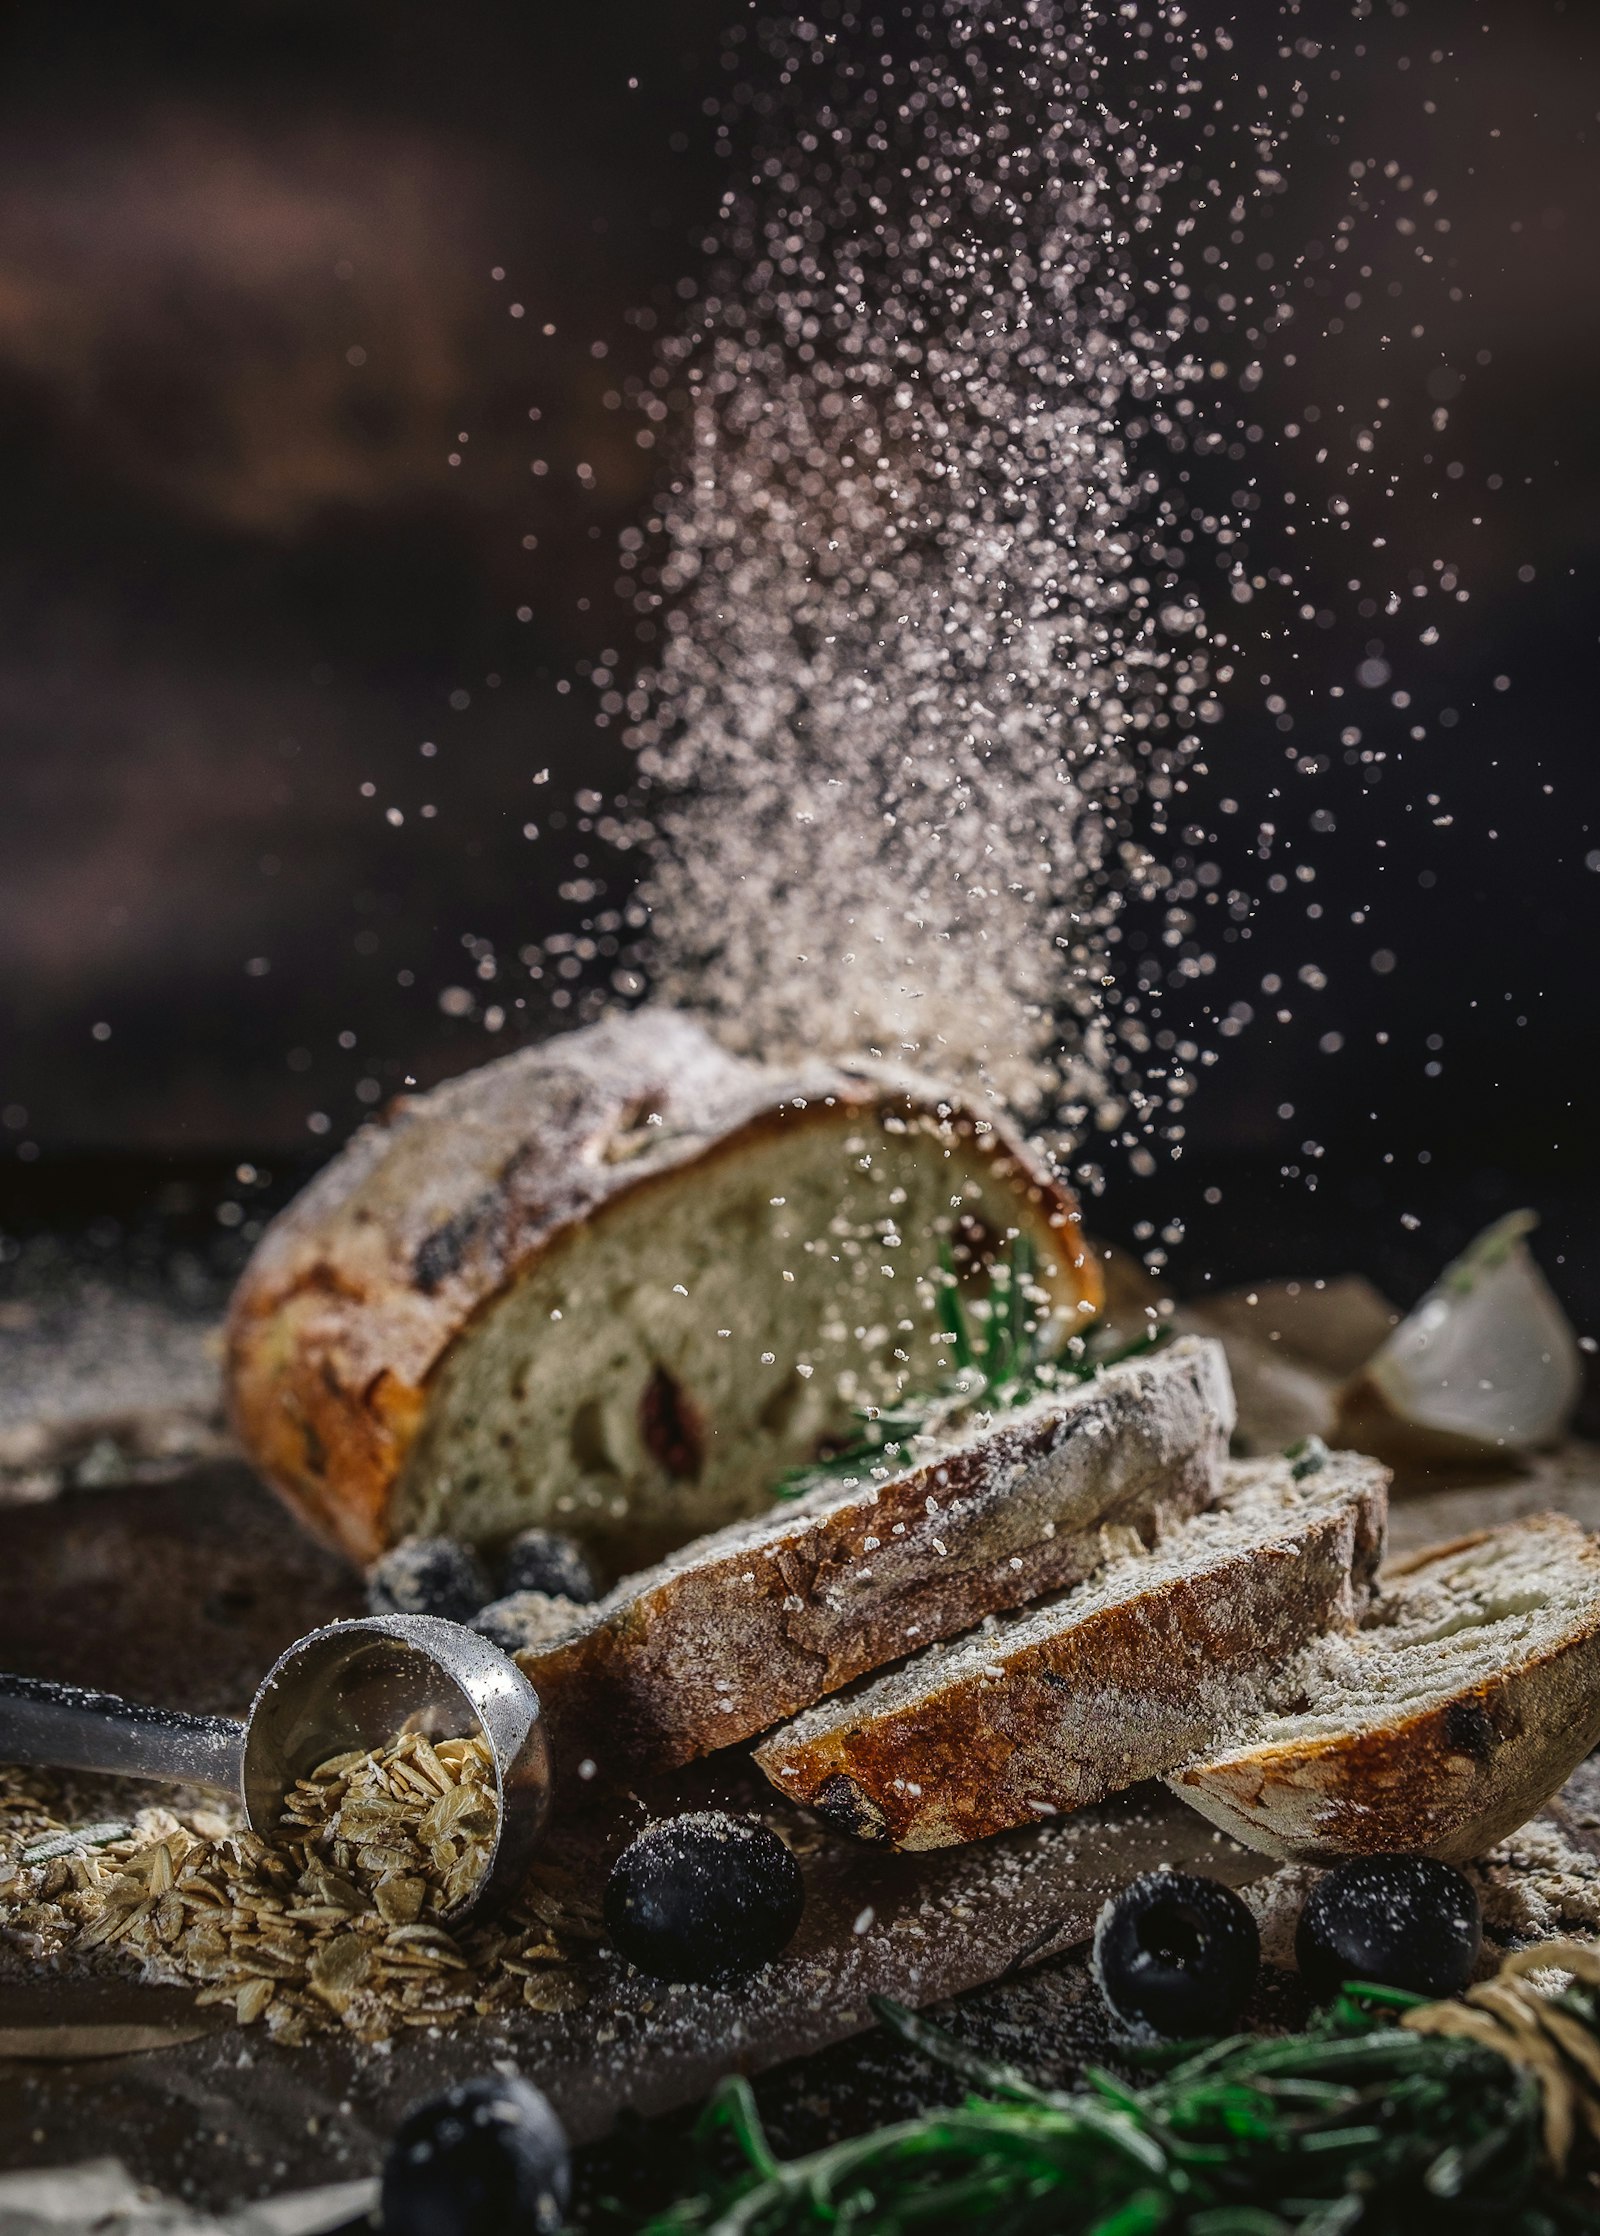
column 1466, row 1699
column 750, row 1624
column 629, row 1421
column 1261, row 1497
column 1087, row 1692
column 1443, row 1625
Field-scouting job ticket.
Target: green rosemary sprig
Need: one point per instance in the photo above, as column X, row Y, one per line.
column 1003, row 1362
column 1357, row 2124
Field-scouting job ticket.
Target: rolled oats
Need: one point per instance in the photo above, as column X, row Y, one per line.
column 342, row 1922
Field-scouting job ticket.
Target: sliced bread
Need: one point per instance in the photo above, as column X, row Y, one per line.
column 1467, row 1697
column 1115, row 1681
column 758, row 1620
column 618, row 1284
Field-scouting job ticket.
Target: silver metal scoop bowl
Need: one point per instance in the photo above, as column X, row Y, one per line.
column 355, row 1684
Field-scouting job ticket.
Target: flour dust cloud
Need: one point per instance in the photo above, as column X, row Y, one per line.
column 932, row 652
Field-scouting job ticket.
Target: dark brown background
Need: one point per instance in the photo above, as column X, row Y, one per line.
column 247, row 317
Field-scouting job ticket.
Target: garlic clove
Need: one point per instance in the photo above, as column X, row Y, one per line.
column 1488, row 1361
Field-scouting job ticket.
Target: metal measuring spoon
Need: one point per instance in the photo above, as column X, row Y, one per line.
column 354, row 1684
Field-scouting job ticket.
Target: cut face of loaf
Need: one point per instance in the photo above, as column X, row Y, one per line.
column 618, row 1284
column 762, row 1618
column 1468, row 1696
column 1116, row 1681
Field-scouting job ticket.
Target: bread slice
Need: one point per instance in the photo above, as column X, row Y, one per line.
column 618, row 1284
column 1118, row 1680
column 1470, row 1693
column 762, row 1618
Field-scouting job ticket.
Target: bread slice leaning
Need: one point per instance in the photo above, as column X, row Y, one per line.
column 1468, row 1696
column 617, row 1284
column 1116, row 1681
column 759, row 1619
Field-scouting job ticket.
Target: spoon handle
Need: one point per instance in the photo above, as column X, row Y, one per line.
column 63, row 1727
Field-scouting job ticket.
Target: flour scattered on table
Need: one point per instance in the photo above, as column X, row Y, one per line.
column 1537, row 1885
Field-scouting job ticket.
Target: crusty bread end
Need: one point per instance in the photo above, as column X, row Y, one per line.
column 616, row 1284
column 1467, row 1698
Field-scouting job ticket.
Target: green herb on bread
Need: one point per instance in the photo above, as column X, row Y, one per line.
column 1001, row 1353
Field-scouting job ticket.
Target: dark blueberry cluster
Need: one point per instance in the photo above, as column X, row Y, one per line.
column 442, row 1576
column 1179, row 1954
column 542, row 1560
column 428, row 1576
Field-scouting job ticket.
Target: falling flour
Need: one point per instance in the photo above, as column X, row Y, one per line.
column 932, row 669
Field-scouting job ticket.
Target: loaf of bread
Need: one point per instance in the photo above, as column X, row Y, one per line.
column 763, row 1617
column 1115, row 1681
column 617, row 1284
column 1468, row 1696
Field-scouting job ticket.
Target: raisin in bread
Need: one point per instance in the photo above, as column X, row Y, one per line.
column 1468, row 1696
column 618, row 1283
column 1118, row 1680
column 761, row 1618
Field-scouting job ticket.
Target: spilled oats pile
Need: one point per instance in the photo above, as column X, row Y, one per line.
column 342, row 1922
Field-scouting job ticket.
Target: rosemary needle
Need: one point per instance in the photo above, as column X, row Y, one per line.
column 1357, row 2125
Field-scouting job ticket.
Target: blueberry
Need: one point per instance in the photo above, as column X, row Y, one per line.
column 428, row 1576
column 487, row 2158
column 1177, row 1953
column 542, row 1560
column 704, row 1897
column 1398, row 1921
